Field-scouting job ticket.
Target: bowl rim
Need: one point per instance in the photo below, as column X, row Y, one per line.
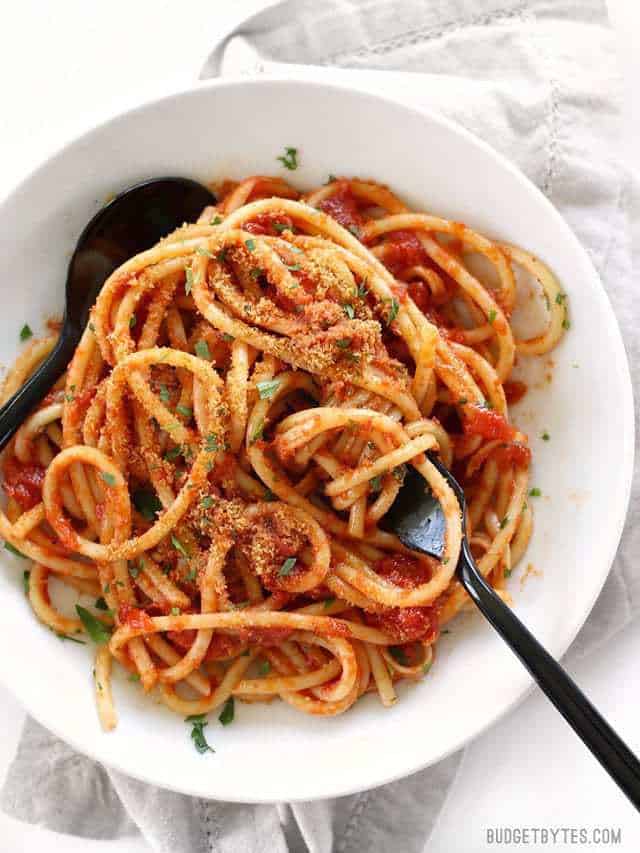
column 626, row 408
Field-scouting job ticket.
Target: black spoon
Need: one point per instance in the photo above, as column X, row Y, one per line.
column 417, row 519
column 134, row 221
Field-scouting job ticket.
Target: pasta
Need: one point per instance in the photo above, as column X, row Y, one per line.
column 213, row 471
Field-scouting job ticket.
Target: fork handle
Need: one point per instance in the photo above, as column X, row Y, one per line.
column 16, row 410
column 610, row 750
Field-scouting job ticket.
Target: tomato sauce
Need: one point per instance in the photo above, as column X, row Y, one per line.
column 404, row 570
column 23, row 483
column 513, row 454
column 488, row 424
column 403, row 249
column 343, row 207
column 134, row 618
column 514, row 391
column 268, row 223
column 406, row 624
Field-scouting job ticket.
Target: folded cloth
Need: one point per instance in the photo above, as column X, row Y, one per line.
column 538, row 81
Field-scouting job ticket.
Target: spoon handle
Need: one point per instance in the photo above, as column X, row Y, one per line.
column 16, row 410
column 610, row 750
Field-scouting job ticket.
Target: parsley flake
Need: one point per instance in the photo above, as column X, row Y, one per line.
column 289, row 159
column 177, row 544
column 228, row 712
column 25, row 332
column 535, row 492
column 109, row 479
column 199, row 721
column 267, row 388
column 13, row 550
column 98, row 632
column 250, row 244
column 287, row 567
column 202, row 350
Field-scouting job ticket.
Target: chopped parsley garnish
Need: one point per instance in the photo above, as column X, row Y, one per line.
column 289, row 159
column 492, row 316
column 328, row 602
column 264, row 668
column 250, row 244
column 222, row 255
column 426, row 667
column 12, row 550
column 92, row 328
column 188, row 283
column 269, row 496
column 164, row 393
column 354, row 230
column 361, row 290
column 504, row 522
column 566, row 325
column 287, row 567
column 25, row 332
column 293, row 267
column 134, row 570
column 349, row 311
column 394, row 307
column 177, row 544
column 256, row 272
column 173, row 453
column 191, row 575
column 216, row 220
column 109, row 479
column 267, row 388
column 376, row 483
column 25, row 581
column 545, row 436
column 343, row 343
column 535, row 492
column 211, row 443
column 258, row 432
column 147, row 503
column 560, row 297
column 227, row 338
column 199, row 721
column 202, row 350
column 185, row 411
column 202, row 251
column 134, row 676
column 206, row 502
column 331, row 179
column 279, row 227
column 61, row 636
column 101, row 604
column 462, row 401
column 175, row 611
column 399, row 654
column 98, row 632
column 507, row 573
column 228, row 712
column 132, row 321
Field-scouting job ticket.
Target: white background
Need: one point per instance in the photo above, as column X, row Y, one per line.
column 65, row 66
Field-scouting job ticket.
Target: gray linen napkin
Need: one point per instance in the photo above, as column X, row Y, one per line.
column 538, row 81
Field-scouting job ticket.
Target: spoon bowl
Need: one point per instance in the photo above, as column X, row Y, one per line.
column 130, row 223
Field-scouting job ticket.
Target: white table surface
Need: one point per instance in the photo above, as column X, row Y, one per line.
column 66, row 65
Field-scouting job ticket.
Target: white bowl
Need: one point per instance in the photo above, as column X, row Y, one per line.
column 232, row 129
